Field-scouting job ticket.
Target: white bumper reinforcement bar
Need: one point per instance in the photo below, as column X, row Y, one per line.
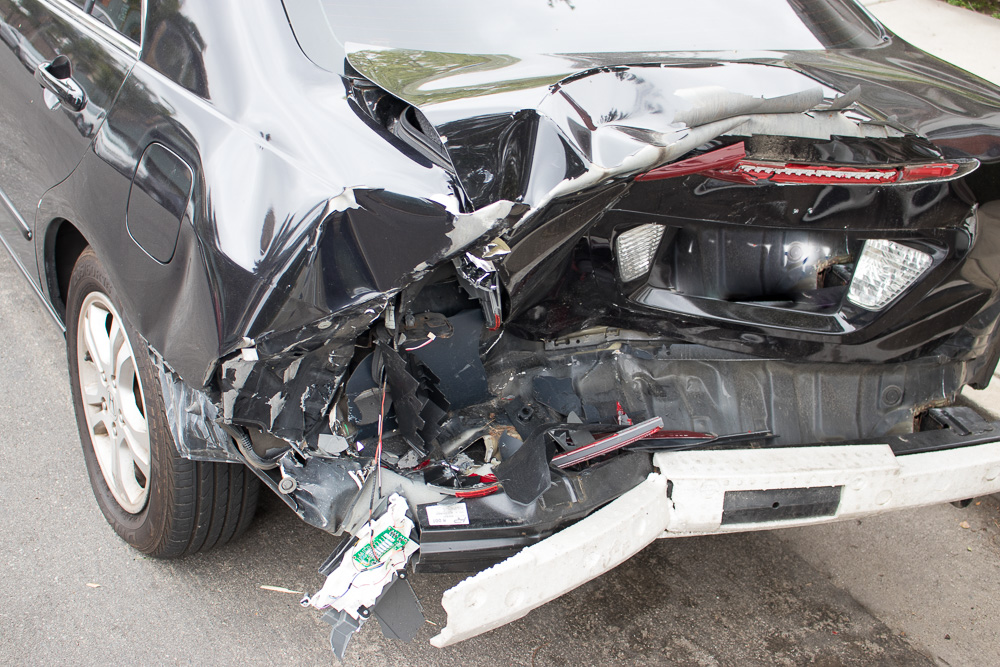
column 872, row 478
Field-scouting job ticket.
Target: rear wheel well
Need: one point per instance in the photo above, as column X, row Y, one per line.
column 63, row 249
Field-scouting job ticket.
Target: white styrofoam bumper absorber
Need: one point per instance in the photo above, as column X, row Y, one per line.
column 874, row 480
column 556, row 565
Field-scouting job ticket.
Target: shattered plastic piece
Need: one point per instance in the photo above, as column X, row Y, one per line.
column 344, row 627
column 332, row 444
column 382, row 549
column 409, row 460
column 398, row 611
column 609, row 444
column 524, row 474
column 623, row 419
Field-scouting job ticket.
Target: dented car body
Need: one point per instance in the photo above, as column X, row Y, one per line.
column 538, row 300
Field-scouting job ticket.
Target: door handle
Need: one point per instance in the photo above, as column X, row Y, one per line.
column 57, row 78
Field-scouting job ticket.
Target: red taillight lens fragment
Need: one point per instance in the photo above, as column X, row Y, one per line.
column 723, row 158
column 922, row 172
column 478, row 493
column 730, row 164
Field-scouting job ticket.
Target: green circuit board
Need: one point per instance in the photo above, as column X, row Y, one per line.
column 371, row 553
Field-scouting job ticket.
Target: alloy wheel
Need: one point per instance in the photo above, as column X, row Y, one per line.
column 113, row 402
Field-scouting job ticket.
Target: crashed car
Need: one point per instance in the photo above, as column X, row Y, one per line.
column 514, row 288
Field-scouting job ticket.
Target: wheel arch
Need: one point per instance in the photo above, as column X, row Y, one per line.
column 64, row 242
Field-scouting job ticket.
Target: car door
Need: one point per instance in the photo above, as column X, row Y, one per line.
column 61, row 65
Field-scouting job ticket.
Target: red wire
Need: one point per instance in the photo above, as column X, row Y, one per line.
column 424, row 344
column 378, row 448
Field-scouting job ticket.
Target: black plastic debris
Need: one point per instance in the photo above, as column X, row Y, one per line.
column 398, row 611
column 420, row 406
column 524, row 469
column 344, row 627
column 364, row 396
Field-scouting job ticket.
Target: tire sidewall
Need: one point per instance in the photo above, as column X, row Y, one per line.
column 147, row 529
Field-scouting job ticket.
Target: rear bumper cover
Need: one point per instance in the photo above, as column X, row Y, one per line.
column 688, row 496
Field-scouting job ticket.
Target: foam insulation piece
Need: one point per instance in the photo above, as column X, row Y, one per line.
column 556, row 565
column 874, row 480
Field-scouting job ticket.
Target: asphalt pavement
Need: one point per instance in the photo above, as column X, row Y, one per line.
column 908, row 588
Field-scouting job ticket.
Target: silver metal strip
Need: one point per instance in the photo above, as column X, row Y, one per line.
column 70, row 12
column 21, row 222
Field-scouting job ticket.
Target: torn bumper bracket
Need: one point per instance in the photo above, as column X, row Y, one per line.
column 715, row 492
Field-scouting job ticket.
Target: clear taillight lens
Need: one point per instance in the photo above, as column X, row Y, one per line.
column 884, row 271
column 635, row 250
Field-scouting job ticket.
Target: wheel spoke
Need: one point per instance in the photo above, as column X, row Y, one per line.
column 116, row 462
column 96, row 338
column 137, row 440
column 121, row 352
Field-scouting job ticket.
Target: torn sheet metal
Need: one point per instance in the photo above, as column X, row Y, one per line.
column 324, row 488
column 604, row 123
column 191, row 416
column 299, row 369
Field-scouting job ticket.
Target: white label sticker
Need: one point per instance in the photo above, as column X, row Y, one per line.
column 448, row 515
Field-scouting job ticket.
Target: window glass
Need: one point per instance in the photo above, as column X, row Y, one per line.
column 125, row 16
column 588, row 26
column 515, row 27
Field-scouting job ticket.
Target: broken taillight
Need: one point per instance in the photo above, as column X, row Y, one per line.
column 478, row 493
column 731, row 164
column 754, row 172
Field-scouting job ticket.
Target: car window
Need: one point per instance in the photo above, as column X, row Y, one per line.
column 125, row 16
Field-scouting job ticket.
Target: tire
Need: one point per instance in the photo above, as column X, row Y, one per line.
column 159, row 502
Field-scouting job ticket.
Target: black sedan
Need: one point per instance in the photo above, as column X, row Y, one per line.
column 508, row 288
